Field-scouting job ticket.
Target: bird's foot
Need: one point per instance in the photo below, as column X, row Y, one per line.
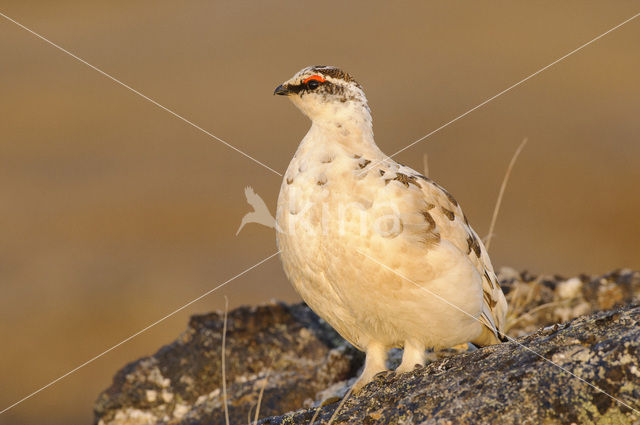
column 367, row 378
column 413, row 356
column 407, row 367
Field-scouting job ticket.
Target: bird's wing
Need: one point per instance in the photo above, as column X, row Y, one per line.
column 447, row 221
column 255, row 200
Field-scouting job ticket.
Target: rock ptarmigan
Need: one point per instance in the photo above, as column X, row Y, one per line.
column 382, row 253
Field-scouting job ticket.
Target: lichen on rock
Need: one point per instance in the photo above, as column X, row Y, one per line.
column 512, row 383
column 181, row 382
column 301, row 362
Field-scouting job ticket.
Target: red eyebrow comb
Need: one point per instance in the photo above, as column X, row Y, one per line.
column 314, row 77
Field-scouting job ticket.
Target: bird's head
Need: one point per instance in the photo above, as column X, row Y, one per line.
column 326, row 94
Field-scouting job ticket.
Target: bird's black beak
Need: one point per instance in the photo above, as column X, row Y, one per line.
column 281, row 90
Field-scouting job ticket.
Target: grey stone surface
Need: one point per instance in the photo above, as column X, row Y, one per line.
column 508, row 384
column 181, row 383
column 302, row 362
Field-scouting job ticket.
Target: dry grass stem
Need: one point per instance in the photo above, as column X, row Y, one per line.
column 315, row 415
column 224, row 374
column 518, row 301
column 515, row 320
column 249, row 415
column 344, row 399
column 264, row 385
column 494, row 218
column 425, row 164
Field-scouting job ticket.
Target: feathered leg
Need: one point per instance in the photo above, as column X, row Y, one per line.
column 412, row 356
column 375, row 363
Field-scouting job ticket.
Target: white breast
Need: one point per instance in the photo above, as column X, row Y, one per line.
column 333, row 217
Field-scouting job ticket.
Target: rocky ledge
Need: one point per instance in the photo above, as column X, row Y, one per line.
column 292, row 365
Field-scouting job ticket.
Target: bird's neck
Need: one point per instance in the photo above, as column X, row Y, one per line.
column 349, row 128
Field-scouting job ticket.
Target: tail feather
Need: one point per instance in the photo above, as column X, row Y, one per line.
column 487, row 337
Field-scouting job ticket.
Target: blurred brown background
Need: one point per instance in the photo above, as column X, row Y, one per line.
column 114, row 213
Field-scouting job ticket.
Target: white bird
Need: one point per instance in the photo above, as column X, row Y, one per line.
column 260, row 213
column 382, row 253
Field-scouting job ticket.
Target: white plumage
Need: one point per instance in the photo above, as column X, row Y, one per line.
column 372, row 246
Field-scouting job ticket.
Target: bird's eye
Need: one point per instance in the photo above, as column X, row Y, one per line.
column 314, row 81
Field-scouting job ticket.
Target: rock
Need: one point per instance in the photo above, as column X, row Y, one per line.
column 510, row 383
column 301, row 362
column 535, row 302
column 181, row 383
